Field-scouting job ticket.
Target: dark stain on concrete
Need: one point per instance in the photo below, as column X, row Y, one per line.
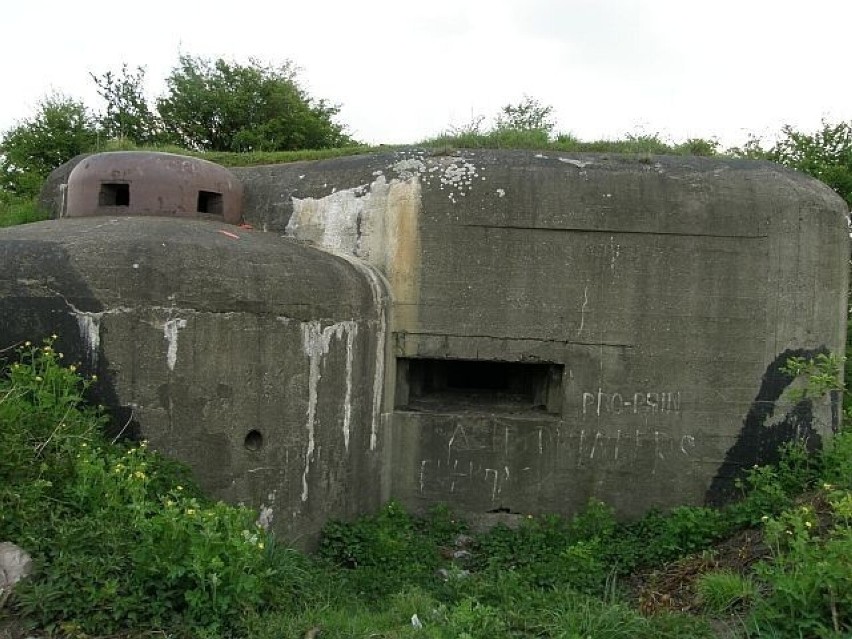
column 762, row 444
column 27, row 316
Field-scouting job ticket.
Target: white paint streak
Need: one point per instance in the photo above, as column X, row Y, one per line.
column 358, row 223
column 578, row 163
column 170, row 334
column 347, row 399
column 316, row 342
column 494, row 485
column 595, row 445
column 615, row 251
column 90, row 332
column 583, row 309
column 379, row 287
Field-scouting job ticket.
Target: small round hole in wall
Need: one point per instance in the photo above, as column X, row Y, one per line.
column 253, row 440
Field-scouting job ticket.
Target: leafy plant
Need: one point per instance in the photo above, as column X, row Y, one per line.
column 820, row 373
column 809, row 577
column 386, row 550
column 118, row 539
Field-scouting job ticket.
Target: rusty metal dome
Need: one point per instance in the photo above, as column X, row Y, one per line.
column 153, row 183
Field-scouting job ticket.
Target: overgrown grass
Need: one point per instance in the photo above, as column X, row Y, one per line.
column 540, row 141
column 124, row 544
column 496, row 139
column 250, row 158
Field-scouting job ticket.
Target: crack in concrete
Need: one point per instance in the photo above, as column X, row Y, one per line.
column 549, row 229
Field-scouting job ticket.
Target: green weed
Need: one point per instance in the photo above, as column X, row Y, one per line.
column 16, row 210
column 118, row 541
column 722, row 591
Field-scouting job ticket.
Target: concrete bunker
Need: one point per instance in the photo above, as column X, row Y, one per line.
column 151, row 183
column 503, row 331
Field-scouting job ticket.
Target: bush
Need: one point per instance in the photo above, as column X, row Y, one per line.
column 809, row 577
column 119, row 541
column 389, row 549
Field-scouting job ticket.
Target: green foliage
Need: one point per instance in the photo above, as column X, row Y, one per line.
column 60, row 129
column 389, row 549
column 509, row 138
column 722, row 591
column 809, row 577
column 119, row 541
column 751, row 150
column 18, row 210
column 128, row 115
column 662, row 537
column 837, row 461
column 217, row 105
column 821, row 375
column 697, row 146
column 769, row 489
column 825, row 154
column 847, row 368
column 527, row 115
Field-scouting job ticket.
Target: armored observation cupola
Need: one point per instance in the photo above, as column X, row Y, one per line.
column 149, row 183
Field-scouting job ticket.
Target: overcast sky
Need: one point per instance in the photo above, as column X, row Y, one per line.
column 404, row 71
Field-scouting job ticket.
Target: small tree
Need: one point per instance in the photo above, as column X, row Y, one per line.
column 127, row 115
column 527, row 115
column 61, row 128
column 223, row 106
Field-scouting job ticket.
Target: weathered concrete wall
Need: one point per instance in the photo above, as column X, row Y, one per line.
column 666, row 292
column 561, row 327
column 249, row 356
